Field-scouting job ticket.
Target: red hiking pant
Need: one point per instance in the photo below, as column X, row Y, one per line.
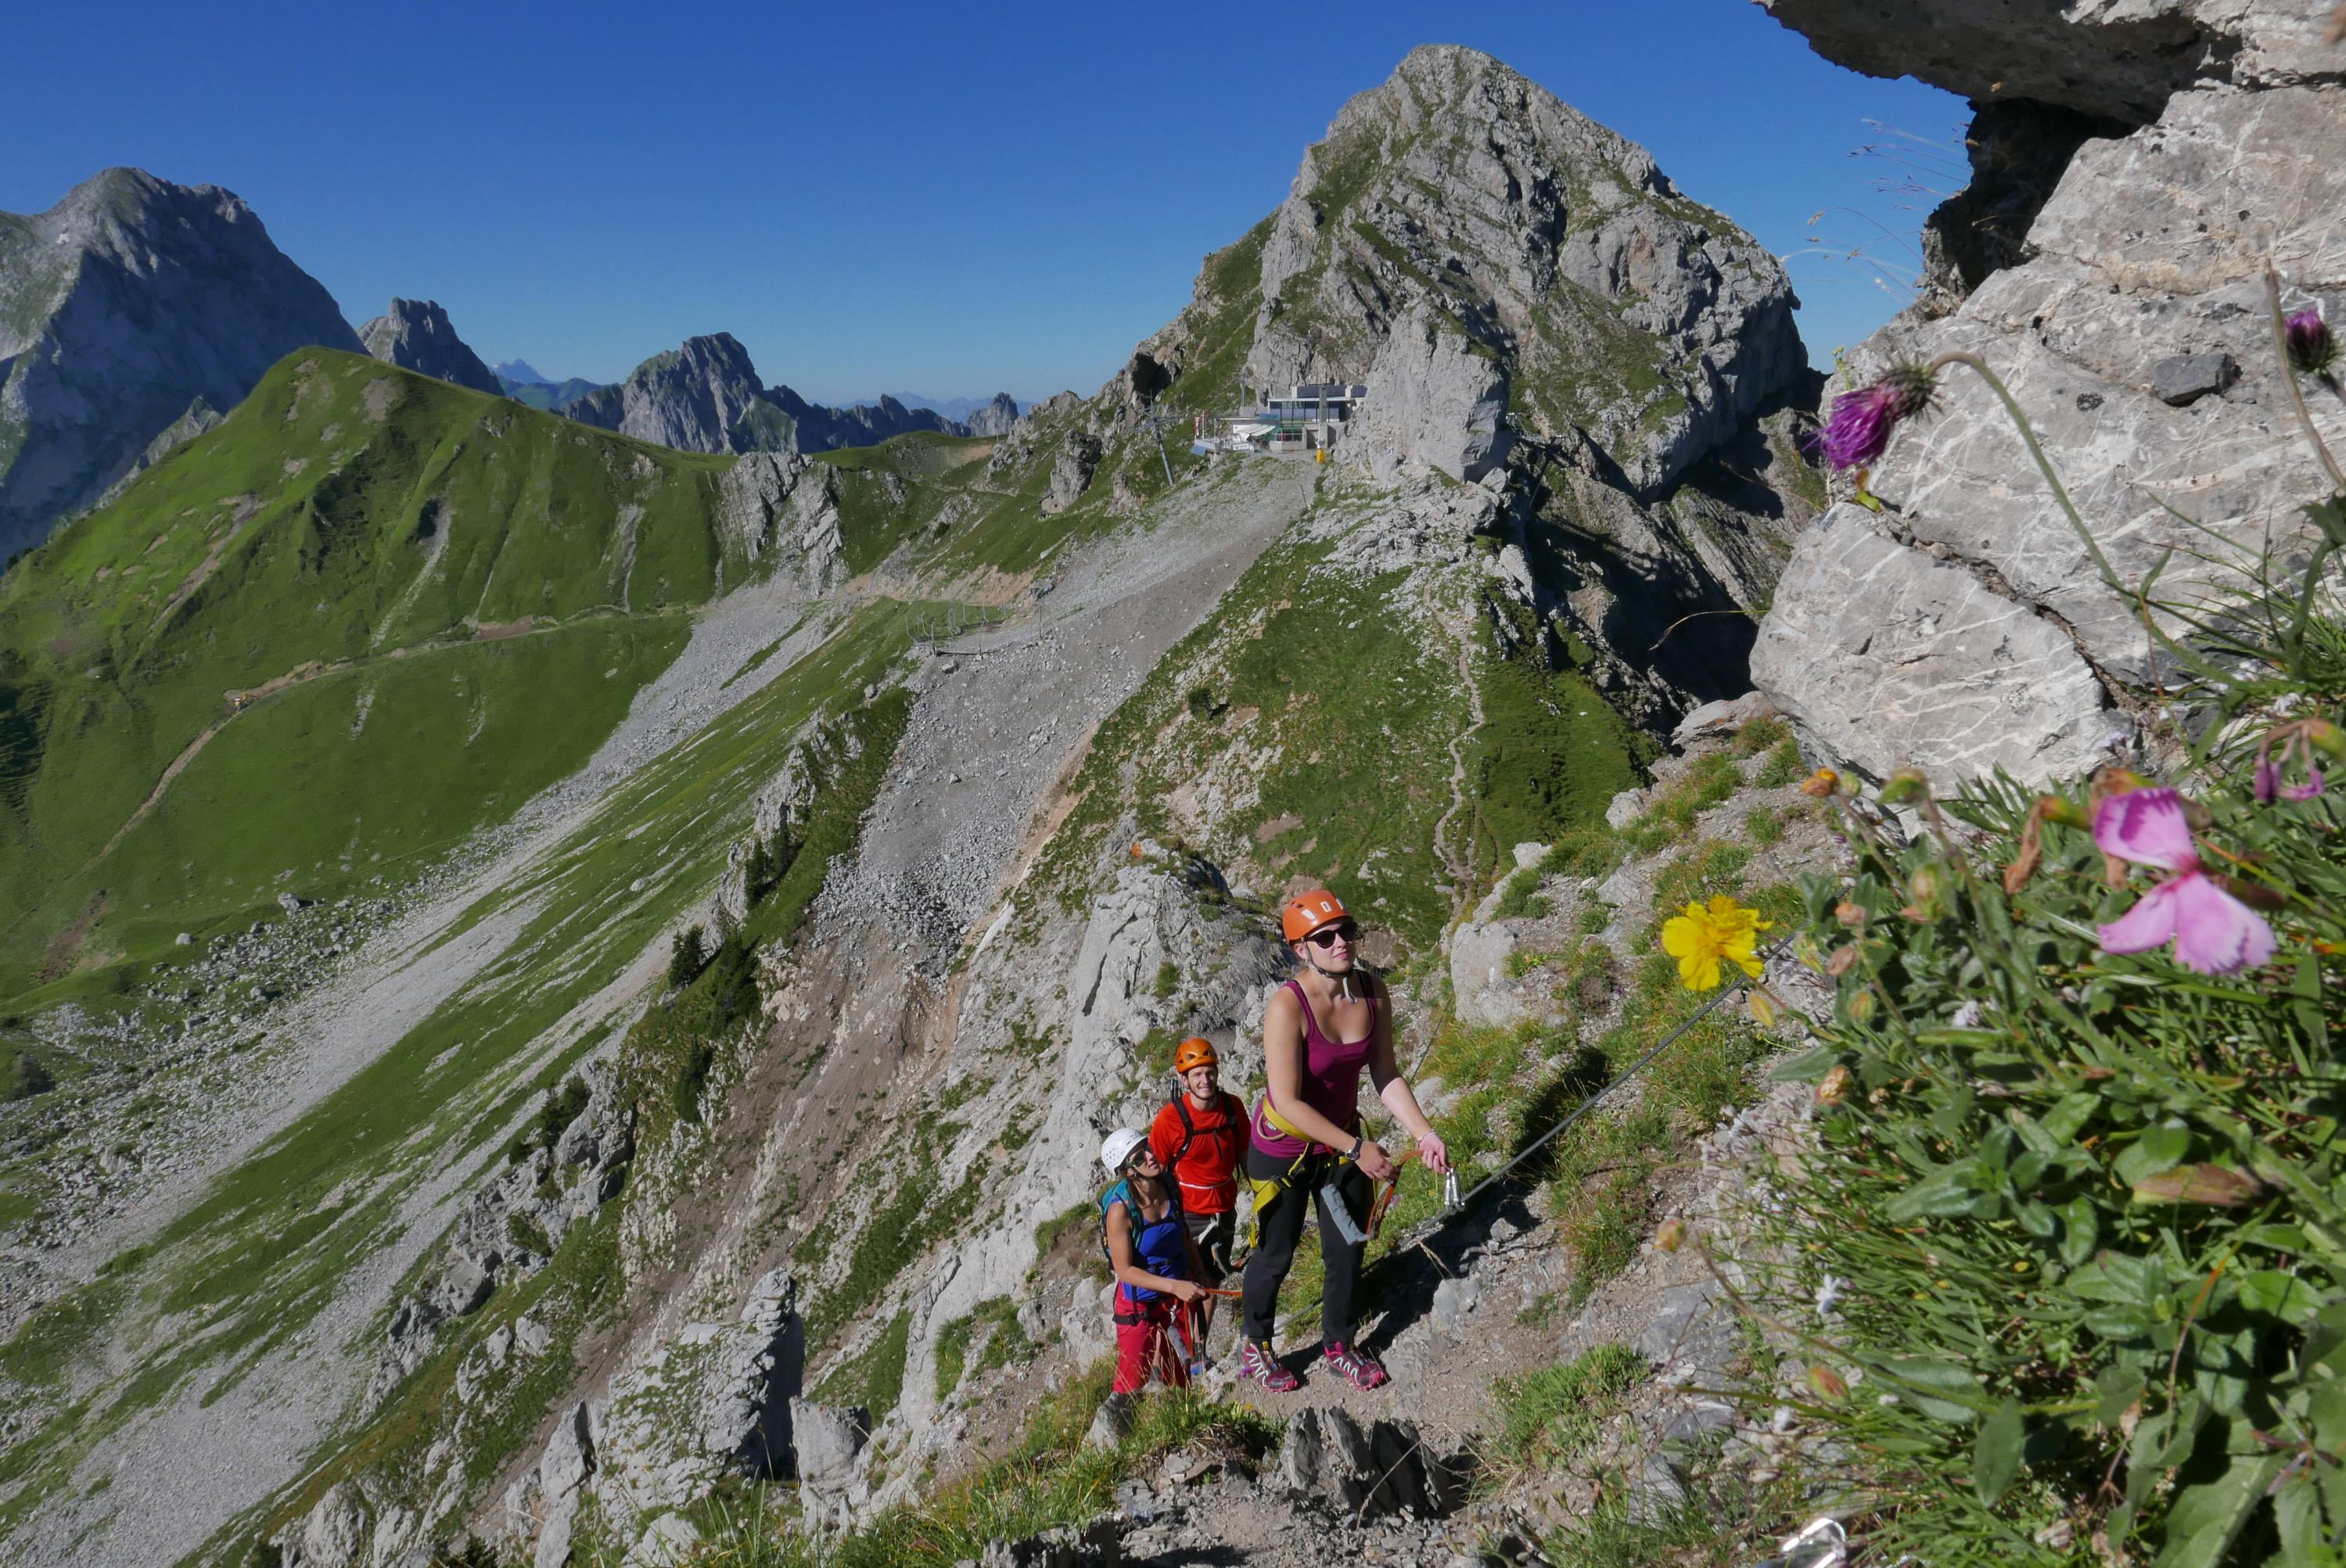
column 1144, row 1344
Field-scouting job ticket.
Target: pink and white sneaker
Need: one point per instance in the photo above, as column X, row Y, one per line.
column 1357, row 1368
column 1258, row 1365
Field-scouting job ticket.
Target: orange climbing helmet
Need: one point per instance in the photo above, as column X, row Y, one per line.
column 1307, row 912
column 1194, row 1052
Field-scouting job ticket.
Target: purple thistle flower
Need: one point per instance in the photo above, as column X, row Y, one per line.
column 1858, row 431
column 2311, row 350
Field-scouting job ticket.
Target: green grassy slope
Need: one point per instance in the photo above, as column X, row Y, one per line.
column 433, row 603
column 247, row 1266
column 1330, row 699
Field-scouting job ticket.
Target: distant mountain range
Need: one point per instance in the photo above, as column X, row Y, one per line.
column 705, row 395
column 547, row 394
column 136, row 314
column 957, row 408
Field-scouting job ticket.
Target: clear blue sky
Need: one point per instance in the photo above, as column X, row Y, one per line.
column 942, row 199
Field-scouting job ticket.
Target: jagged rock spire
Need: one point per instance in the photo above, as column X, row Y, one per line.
column 416, row 335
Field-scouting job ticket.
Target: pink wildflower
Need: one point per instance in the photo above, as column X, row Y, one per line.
column 2213, row 931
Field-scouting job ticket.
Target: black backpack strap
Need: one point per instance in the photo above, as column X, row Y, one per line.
column 1188, row 1129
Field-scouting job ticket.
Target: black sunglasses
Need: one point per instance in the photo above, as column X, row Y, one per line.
column 1329, row 936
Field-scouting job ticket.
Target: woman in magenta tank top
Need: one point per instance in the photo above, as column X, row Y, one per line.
column 1320, row 1030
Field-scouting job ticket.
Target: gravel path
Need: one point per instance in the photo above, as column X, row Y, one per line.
column 1002, row 715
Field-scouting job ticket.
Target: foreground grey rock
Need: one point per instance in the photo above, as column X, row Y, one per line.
column 131, row 306
column 1969, row 626
column 2117, row 62
column 416, row 335
column 1882, row 655
column 1382, row 1470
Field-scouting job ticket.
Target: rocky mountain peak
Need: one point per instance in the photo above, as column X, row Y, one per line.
column 703, row 395
column 1550, row 248
column 416, row 335
column 994, row 416
column 122, row 308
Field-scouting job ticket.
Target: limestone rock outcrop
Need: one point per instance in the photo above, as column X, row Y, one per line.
column 416, row 335
column 556, row 1177
column 992, row 417
column 703, row 396
column 778, row 501
column 1071, row 474
column 716, row 1401
column 2119, row 62
column 1441, row 401
column 1459, row 190
column 125, row 308
column 1970, row 625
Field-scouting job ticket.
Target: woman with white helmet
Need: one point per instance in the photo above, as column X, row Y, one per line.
column 1156, row 1263
column 1320, row 1030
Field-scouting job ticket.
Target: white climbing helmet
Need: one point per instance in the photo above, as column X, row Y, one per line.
column 1118, row 1148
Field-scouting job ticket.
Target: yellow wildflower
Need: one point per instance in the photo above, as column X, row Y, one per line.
column 1709, row 934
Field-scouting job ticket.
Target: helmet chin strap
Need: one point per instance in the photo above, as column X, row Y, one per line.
column 1343, row 983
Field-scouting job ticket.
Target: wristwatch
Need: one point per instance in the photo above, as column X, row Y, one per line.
column 1359, row 1141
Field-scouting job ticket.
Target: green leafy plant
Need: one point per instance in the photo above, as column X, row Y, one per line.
column 2070, row 1260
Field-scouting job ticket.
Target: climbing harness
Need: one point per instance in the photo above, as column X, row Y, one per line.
column 1385, row 1195
column 1301, row 1172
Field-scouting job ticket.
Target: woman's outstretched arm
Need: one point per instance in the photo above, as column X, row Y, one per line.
column 1385, row 1072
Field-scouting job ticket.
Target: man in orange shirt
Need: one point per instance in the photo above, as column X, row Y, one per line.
column 1199, row 1137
